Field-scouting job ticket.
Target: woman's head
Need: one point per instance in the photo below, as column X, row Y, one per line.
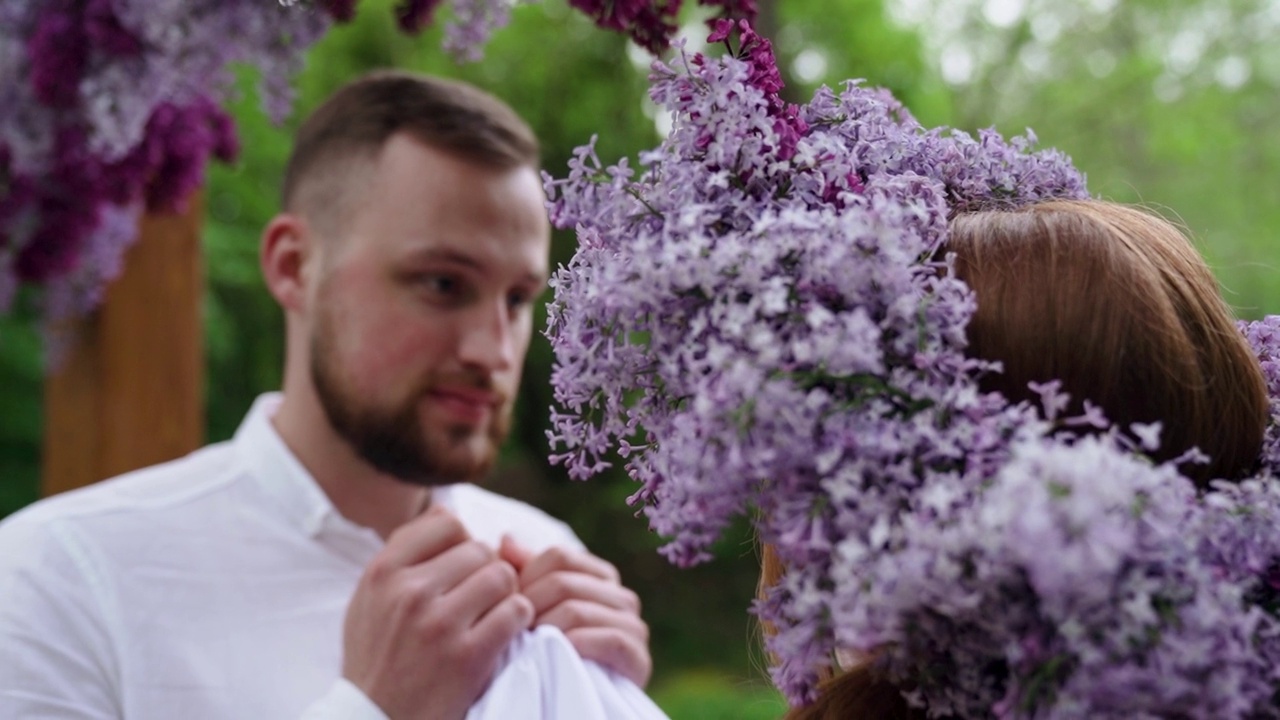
column 1118, row 305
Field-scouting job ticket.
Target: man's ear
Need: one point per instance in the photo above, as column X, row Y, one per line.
column 286, row 254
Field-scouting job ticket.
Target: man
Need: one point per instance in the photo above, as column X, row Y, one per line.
column 326, row 562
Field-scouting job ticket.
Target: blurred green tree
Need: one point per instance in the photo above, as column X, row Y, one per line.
column 1167, row 103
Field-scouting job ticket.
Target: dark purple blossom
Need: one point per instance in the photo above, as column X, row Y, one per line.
column 757, row 52
column 66, row 211
column 179, row 142
column 105, row 33
column 54, row 248
column 341, row 10
column 414, row 15
column 648, row 23
column 58, row 53
column 17, row 194
column 107, row 106
column 80, row 290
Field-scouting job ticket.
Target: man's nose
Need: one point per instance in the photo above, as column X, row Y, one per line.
column 488, row 339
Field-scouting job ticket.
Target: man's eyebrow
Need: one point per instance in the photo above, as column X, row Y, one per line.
column 539, row 278
column 446, row 255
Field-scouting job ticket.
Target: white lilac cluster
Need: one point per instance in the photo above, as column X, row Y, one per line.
column 759, row 321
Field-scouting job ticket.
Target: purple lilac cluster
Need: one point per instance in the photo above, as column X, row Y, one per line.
column 1070, row 587
column 1264, row 337
column 110, row 107
column 760, row 320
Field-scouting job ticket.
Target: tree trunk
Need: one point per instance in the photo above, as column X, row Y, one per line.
column 130, row 390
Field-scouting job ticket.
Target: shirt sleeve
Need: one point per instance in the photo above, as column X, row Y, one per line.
column 344, row 701
column 56, row 660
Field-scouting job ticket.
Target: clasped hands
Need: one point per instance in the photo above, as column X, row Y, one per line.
column 435, row 609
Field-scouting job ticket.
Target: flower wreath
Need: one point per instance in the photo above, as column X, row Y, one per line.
column 758, row 323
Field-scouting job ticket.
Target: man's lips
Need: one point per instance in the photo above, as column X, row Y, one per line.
column 470, row 405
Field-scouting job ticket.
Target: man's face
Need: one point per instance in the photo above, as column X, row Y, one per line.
column 422, row 311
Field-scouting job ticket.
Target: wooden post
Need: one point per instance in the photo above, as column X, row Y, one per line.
column 130, row 392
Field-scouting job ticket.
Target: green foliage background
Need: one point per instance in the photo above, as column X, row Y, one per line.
column 1110, row 82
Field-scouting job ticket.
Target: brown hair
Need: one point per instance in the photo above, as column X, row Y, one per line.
column 356, row 121
column 1117, row 304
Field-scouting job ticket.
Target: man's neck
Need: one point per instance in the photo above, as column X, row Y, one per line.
column 358, row 492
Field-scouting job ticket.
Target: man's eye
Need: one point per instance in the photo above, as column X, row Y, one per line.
column 519, row 300
column 445, row 286
column 440, row 283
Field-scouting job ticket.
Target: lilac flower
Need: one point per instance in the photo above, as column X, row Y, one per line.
column 104, row 30
column 75, row 293
column 341, row 10
column 114, row 103
column 1122, row 618
column 473, row 23
column 726, row 258
column 1237, row 538
column 413, row 15
column 764, row 76
column 1264, row 337
column 649, row 24
column 760, row 320
column 57, row 53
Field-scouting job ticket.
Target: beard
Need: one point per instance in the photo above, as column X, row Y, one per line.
column 391, row 438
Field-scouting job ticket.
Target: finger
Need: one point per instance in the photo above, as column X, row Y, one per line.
column 551, row 590
column 616, row 650
column 446, row 571
column 422, row 538
column 479, row 592
column 574, row 614
column 558, row 559
column 495, row 630
column 514, row 553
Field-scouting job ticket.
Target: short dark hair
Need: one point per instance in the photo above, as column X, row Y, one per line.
column 357, row 120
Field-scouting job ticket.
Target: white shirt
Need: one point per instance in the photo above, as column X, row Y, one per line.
column 542, row 676
column 214, row 587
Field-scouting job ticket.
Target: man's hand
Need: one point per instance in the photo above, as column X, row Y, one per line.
column 429, row 620
column 583, row 595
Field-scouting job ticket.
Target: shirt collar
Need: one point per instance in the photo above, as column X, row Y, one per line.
column 291, row 488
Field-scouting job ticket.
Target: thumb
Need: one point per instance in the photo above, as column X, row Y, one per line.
column 514, row 553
